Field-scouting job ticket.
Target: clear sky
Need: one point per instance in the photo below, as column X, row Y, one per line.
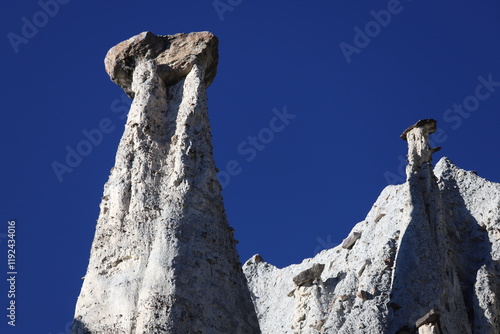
column 345, row 77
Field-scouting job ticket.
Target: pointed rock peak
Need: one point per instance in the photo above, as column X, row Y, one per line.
column 445, row 161
column 174, row 56
column 446, row 169
column 444, row 164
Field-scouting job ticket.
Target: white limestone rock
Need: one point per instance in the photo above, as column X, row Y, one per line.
column 163, row 258
column 428, row 244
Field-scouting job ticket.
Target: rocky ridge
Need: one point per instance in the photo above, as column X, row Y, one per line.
column 424, row 260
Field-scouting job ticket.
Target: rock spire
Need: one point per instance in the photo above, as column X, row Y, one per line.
column 419, row 149
column 163, row 259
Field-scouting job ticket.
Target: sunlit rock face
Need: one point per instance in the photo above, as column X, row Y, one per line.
column 163, row 259
column 424, row 260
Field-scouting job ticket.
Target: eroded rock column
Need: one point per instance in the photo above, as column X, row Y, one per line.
column 419, row 148
column 163, row 258
column 424, row 277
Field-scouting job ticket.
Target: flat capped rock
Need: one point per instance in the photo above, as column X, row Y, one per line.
column 174, row 56
column 428, row 123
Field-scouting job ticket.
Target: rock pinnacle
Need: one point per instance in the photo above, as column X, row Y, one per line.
column 419, row 149
column 163, row 259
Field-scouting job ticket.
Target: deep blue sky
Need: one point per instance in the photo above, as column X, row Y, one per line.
column 310, row 183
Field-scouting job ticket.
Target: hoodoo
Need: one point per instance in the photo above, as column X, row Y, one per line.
column 163, row 258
